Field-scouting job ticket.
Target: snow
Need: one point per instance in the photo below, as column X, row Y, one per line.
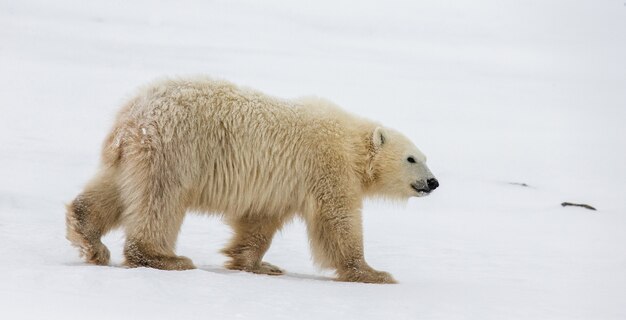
column 493, row 92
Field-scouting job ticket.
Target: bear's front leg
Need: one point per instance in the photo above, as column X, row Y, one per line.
column 335, row 233
column 253, row 236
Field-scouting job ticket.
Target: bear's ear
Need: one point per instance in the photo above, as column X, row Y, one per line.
column 378, row 138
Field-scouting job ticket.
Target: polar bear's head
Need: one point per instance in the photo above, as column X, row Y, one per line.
column 397, row 168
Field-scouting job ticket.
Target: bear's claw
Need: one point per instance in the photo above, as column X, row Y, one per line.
column 263, row 268
column 269, row 269
column 367, row 276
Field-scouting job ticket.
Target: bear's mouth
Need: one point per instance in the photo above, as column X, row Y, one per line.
column 421, row 191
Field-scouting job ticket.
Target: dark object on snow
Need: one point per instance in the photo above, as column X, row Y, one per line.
column 586, row 206
column 521, row 184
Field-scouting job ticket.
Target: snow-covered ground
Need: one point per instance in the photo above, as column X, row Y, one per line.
column 492, row 91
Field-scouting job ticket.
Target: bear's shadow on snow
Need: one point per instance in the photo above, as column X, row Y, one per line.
column 215, row 269
column 286, row 275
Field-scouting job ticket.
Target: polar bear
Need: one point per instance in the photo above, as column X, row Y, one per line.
column 211, row 146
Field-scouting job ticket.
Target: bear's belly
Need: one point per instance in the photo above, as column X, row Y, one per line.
column 236, row 195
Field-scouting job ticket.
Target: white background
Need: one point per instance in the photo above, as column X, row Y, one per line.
column 493, row 91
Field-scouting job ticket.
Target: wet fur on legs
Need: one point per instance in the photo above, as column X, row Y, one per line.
column 252, row 237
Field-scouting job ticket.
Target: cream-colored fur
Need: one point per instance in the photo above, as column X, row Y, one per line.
column 210, row 146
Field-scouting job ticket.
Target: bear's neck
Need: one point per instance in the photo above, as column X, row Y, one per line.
column 365, row 152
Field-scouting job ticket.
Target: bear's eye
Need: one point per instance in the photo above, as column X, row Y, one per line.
column 410, row 159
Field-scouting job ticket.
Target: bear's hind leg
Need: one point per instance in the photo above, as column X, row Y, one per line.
column 152, row 220
column 151, row 238
column 91, row 215
column 253, row 236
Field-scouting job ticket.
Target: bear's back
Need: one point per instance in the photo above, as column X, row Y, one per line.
column 234, row 149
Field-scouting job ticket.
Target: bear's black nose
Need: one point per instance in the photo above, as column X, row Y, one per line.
column 432, row 183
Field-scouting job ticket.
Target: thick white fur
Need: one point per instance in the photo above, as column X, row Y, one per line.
column 210, row 146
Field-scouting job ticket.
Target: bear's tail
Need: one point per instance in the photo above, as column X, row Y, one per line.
column 92, row 214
